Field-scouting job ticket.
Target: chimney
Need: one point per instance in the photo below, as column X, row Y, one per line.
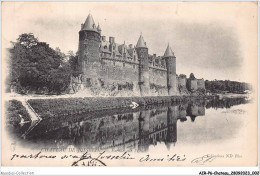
column 82, row 25
column 103, row 38
column 154, row 55
column 131, row 46
column 111, row 39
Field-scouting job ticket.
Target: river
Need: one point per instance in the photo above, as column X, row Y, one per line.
column 195, row 125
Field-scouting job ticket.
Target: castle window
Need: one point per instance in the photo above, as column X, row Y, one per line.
column 105, row 47
column 114, row 63
column 133, row 66
column 123, row 64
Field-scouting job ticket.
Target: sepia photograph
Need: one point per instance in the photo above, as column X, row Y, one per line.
column 129, row 84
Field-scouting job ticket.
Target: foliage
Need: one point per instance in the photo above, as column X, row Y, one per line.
column 126, row 86
column 27, row 40
column 74, row 64
column 37, row 68
column 218, row 86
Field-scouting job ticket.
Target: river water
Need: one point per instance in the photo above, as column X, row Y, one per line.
column 179, row 126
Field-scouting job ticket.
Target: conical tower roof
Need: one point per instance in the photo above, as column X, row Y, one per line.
column 89, row 24
column 168, row 52
column 141, row 42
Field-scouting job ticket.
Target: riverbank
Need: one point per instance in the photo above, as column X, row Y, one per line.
column 48, row 108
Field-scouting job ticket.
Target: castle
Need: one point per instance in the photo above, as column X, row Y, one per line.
column 112, row 69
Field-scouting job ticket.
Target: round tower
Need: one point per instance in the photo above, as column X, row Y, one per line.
column 89, row 43
column 142, row 53
column 171, row 71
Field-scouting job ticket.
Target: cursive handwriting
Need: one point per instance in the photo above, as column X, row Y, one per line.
column 169, row 158
column 100, row 158
column 38, row 155
column 96, row 161
column 204, row 159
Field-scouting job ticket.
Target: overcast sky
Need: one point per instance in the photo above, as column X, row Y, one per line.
column 214, row 41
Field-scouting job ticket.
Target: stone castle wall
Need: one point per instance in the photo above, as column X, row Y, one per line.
column 201, row 83
column 111, row 77
column 192, row 85
column 182, row 81
column 158, row 81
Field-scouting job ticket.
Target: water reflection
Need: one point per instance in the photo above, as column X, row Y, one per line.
column 123, row 130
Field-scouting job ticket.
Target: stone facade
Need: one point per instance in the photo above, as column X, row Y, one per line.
column 112, row 69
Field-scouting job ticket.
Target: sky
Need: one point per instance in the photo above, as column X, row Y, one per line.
column 212, row 40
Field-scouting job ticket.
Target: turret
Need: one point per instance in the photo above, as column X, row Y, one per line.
column 142, row 52
column 89, row 42
column 171, row 71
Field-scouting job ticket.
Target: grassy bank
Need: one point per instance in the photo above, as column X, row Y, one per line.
column 47, row 108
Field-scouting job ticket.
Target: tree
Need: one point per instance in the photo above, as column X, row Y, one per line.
column 74, row 64
column 27, row 40
column 36, row 67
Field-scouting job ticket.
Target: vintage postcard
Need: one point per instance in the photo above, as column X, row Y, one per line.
column 129, row 84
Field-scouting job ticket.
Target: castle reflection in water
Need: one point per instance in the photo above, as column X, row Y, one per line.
column 124, row 130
